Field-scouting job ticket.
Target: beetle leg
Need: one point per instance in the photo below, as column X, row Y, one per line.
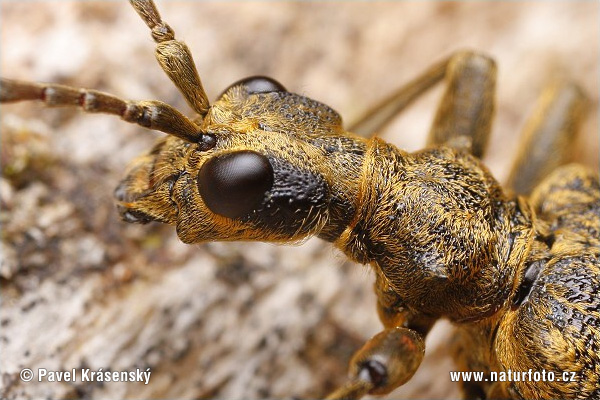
column 548, row 136
column 464, row 115
column 391, row 357
column 388, row 360
column 174, row 57
column 465, row 112
column 149, row 114
column 382, row 113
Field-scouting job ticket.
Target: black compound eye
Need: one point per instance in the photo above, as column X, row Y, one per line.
column 259, row 84
column 234, row 184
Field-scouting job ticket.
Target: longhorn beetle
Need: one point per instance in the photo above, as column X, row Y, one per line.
column 444, row 239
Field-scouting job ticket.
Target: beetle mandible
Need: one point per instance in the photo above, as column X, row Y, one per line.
column 443, row 238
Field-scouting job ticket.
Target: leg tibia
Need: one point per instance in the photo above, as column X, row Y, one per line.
column 548, row 136
column 464, row 116
column 385, row 362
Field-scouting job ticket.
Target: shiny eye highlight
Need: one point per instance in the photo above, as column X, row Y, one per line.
column 234, row 184
column 259, row 84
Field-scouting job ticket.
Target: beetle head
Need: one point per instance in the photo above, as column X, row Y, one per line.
column 266, row 167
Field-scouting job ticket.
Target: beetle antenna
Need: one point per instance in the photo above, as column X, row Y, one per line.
column 150, row 114
column 174, row 57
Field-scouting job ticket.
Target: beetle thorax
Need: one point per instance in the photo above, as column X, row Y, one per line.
column 438, row 227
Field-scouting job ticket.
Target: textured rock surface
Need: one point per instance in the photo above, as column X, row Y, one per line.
column 80, row 288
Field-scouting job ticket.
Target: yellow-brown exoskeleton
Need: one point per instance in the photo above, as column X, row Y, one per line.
column 518, row 276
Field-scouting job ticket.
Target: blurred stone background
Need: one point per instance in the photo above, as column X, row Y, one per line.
column 227, row 320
